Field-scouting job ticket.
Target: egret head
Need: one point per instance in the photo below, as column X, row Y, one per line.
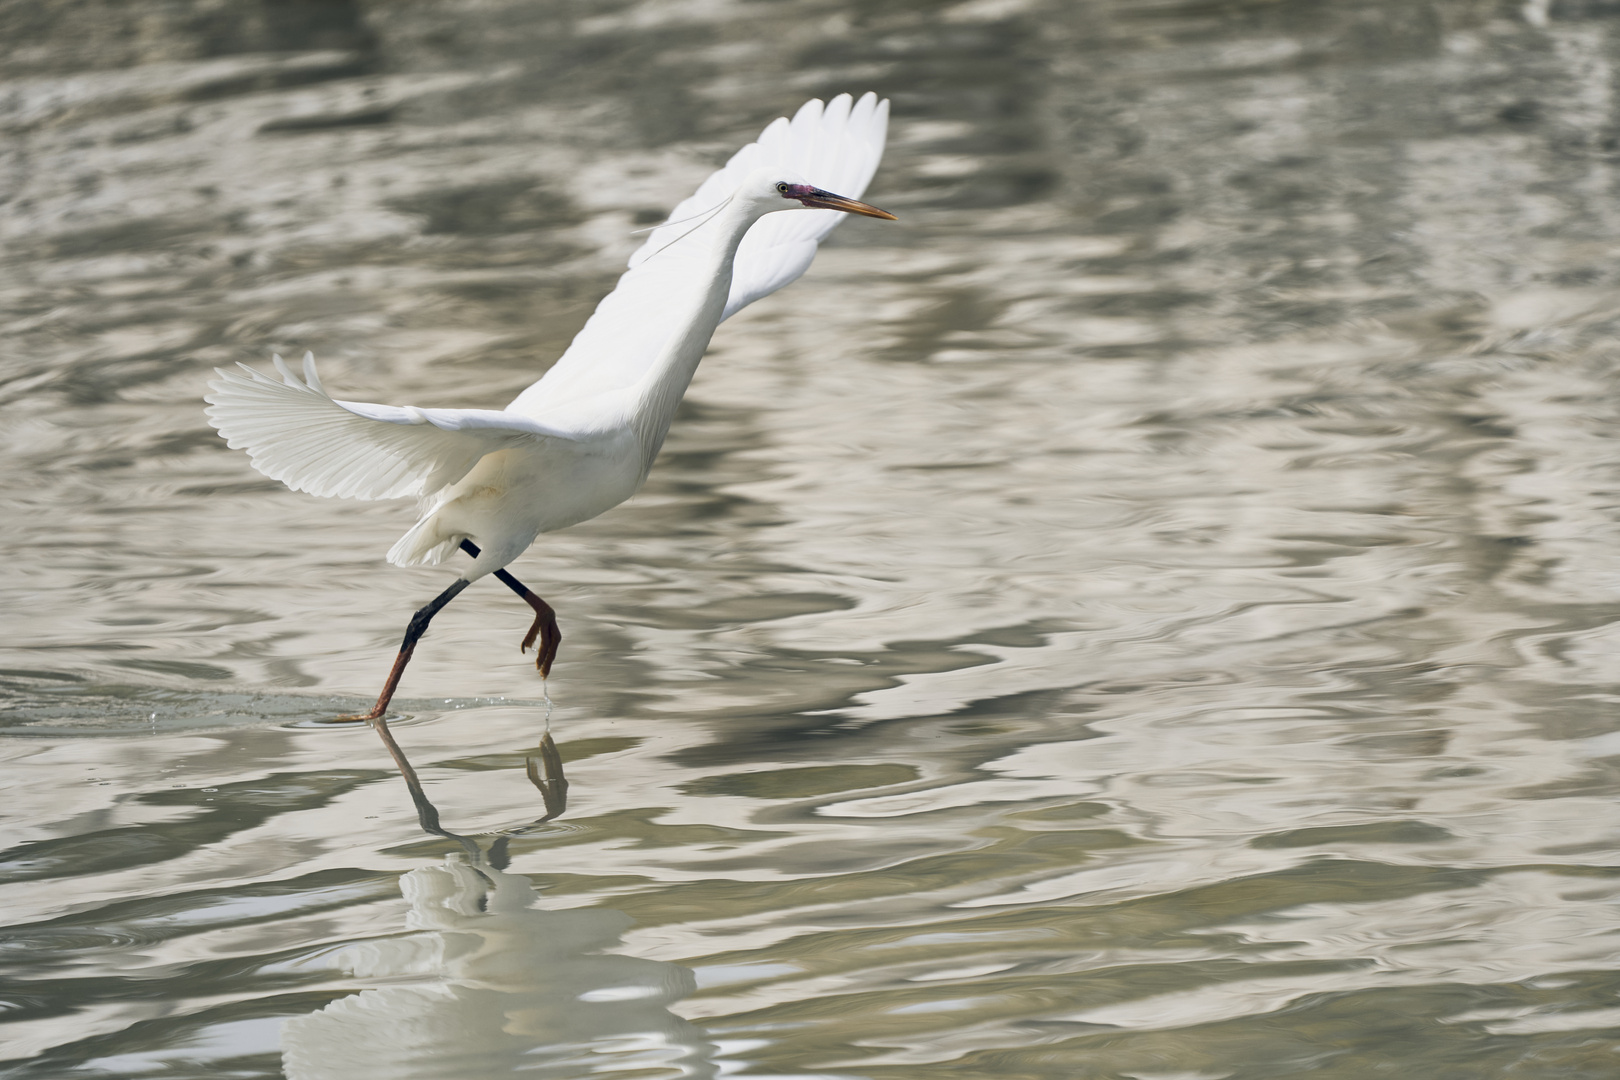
column 771, row 189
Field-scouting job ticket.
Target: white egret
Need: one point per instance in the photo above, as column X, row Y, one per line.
column 582, row 439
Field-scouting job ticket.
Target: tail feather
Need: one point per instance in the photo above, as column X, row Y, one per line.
column 424, row 544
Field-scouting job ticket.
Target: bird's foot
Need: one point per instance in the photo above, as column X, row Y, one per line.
column 544, row 628
column 358, row 718
column 404, row 657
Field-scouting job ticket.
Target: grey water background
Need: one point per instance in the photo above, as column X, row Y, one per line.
column 1152, row 612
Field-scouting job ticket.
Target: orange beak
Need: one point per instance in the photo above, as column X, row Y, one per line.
column 826, row 200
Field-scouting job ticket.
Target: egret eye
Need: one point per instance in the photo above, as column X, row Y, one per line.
column 782, row 187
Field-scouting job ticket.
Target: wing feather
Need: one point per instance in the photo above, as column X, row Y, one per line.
column 836, row 146
column 295, row 432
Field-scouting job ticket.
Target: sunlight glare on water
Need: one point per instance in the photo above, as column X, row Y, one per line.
column 1149, row 613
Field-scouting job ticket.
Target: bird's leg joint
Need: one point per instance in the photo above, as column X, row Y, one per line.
column 419, row 622
column 418, row 626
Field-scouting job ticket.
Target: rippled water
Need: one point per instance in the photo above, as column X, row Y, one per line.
column 1152, row 612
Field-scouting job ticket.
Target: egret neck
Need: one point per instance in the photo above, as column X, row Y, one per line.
column 654, row 399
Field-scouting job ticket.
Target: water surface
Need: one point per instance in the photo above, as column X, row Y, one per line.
column 1149, row 613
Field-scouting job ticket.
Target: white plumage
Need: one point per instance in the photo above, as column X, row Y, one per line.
column 581, row 439
column 837, row 148
column 296, row 433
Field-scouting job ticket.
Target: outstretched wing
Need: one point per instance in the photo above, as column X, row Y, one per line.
column 297, row 433
column 836, row 147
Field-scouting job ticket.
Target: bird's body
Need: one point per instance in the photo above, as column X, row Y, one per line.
column 581, row 439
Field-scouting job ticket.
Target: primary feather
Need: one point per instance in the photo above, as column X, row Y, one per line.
column 836, row 146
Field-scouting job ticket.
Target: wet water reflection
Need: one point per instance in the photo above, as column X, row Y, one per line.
column 483, row 980
column 496, row 984
column 1149, row 613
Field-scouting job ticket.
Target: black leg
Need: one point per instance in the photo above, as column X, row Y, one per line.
column 413, row 633
column 545, row 619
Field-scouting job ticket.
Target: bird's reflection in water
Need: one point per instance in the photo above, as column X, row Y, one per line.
column 488, row 984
